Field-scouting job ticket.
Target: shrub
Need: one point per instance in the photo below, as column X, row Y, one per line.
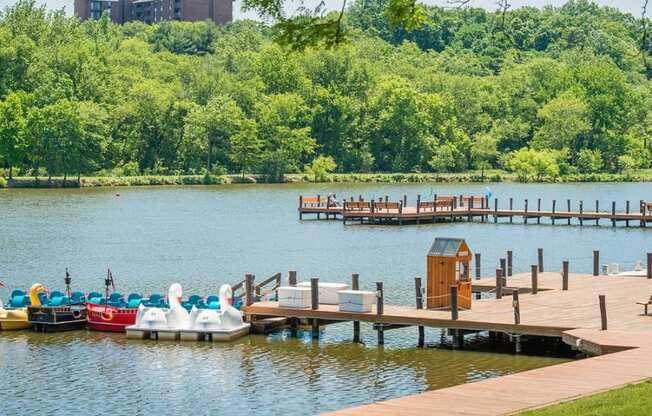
column 3, row 182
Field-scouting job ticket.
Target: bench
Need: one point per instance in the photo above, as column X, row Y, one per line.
column 312, row 201
column 356, row 205
column 387, row 206
column 647, row 208
column 645, row 303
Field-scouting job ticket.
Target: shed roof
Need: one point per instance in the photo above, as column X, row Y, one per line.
column 446, row 247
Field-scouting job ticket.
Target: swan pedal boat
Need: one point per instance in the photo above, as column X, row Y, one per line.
column 14, row 316
column 160, row 323
column 59, row 314
column 212, row 325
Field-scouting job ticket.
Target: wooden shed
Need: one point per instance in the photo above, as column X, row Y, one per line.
column 448, row 265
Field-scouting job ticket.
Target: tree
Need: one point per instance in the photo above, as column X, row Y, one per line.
column 565, row 121
column 589, row 161
column 12, row 131
column 320, row 167
column 246, row 146
column 484, row 152
column 442, row 159
column 530, row 162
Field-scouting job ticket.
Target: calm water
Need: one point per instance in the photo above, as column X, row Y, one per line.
column 205, row 236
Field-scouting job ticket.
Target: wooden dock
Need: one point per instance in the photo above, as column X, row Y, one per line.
column 594, row 314
column 471, row 208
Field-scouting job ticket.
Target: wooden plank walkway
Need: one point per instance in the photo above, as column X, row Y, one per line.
column 571, row 314
column 400, row 213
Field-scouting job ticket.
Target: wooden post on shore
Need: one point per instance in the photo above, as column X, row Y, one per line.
column 249, row 289
column 511, row 208
column 355, row 285
column 613, row 213
column 417, row 289
column 564, row 275
column 499, row 284
column 581, row 213
column 568, row 208
column 525, row 216
column 539, row 210
column 554, row 203
column 314, row 295
column 516, row 306
column 300, row 207
column 379, row 312
column 534, row 273
column 540, row 259
column 495, row 209
column 649, row 265
column 510, row 262
column 478, row 271
column 627, row 212
column 596, row 262
column 603, row 312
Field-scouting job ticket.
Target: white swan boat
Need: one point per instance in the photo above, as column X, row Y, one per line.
column 161, row 323
column 226, row 324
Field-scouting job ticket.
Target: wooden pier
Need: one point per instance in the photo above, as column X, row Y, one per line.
column 594, row 314
column 472, row 208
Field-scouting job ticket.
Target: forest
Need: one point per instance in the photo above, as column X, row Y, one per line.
column 542, row 93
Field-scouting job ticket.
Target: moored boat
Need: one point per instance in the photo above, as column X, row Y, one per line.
column 13, row 315
column 112, row 313
column 58, row 312
column 159, row 322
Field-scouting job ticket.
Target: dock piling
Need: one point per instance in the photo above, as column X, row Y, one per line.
column 540, row 259
column 419, row 298
column 503, row 269
column 314, row 298
column 379, row 311
column 554, row 203
column 517, row 307
column 539, row 210
column 511, row 208
column 478, row 271
column 603, row 312
column 525, row 216
column 249, row 289
column 495, row 210
column 613, row 213
column 534, row 272
column 597, row 209
column 596, row 262
column 510, row 262
column 627, row 212
column 454, row 307
column 564, row 275
column 499, row 284
column 649, row 265
column 355, row 285
column 300, row 206
column 581, row 217
column 568, row 208
column 292, row 278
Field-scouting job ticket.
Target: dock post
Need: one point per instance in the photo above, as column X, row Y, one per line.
column 495, row 209
column 516, row 306
column 300, row 207
column 603, row 312
column 417, row 289
column 292, row 281
column 613, row 213
column 525, row 216
column 564, row 275
column 627, row 212
column 355, row 285
column 499, row 284
column 404, row 200
column 318, row 205
column 344, row 212
column 249, row 289
column 478, row 271
column 292, row 278
column 597, row 209
column 540, row 259
column 458, row 340
column 539, row 210
column 510, row 261
column 642, row 209
column 568, row 206
column 470, row 206
column 596, row 262
column 581, row 213
column 511, row 208
column 379, row 312
column 649, row 265
column 400, row 213
column 314, row 295
column 503, row 269
column 554, row 203
column 534, row 271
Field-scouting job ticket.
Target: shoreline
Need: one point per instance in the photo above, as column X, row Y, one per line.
column 390, row 178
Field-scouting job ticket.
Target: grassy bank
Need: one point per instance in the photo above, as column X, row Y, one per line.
column 632, row 400
column 465, row 177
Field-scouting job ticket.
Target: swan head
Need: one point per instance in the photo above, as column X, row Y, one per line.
column 226, row 296
column 33, row 293
column 175, row 293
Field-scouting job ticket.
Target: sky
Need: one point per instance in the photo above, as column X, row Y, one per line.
column 631, row 6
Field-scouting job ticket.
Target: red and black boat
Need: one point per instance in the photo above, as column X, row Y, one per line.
column 111, row 313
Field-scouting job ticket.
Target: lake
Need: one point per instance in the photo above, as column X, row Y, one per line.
column 203, row 237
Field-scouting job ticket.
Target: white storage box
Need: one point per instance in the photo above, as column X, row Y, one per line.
column 294, row 297
column 327, row 291
column 356, row 300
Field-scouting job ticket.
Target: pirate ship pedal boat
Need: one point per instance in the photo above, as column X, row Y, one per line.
column 112, row 313
column 13, row 316
column 59, row 312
